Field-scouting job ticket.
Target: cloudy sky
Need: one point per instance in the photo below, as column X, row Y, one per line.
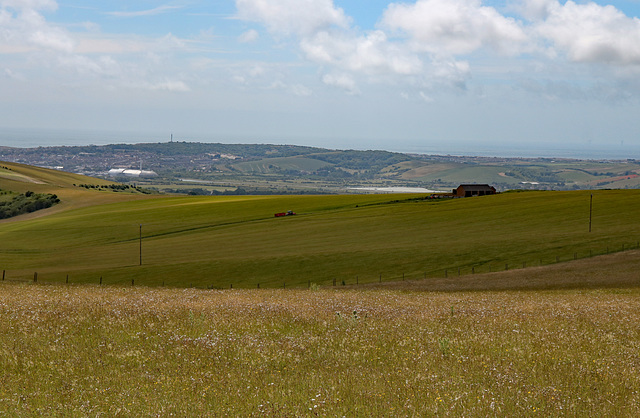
column 417, row 75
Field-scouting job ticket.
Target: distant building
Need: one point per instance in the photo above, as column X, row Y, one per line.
column 469, row 190
column 125, row 172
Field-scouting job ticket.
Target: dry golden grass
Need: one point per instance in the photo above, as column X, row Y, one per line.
column 89, row 351
column 618, row 270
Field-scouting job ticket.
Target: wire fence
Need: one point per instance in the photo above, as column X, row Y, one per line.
column 490, row 266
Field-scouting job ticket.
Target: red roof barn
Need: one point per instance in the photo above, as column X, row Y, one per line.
column 469, row 190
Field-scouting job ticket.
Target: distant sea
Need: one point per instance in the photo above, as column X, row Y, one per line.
column 32, row 138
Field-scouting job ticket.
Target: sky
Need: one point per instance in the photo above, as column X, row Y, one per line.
column 416, row 76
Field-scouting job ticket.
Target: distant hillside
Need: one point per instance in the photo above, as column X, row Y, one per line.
column 24, row 187
column 203, row 168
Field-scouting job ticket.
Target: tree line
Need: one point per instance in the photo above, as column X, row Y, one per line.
column 26, row 203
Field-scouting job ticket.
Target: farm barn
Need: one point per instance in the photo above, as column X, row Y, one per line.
column 469, row 190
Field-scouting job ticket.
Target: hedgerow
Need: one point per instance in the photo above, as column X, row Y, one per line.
column 27, row 202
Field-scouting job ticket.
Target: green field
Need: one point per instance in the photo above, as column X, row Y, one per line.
column 434, row 344
column 279, row 164
column 123, row 351
column 236, row 241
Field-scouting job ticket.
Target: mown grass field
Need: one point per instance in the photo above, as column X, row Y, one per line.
column 235, row 241
column 86, row 350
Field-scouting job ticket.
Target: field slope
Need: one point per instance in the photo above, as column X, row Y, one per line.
column 20, row 178
column 236, row 241
column 134, row 351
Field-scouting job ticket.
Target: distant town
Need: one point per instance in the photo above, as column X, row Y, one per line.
column 205, row 168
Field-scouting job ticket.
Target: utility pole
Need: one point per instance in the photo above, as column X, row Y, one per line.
column 590, row 210
column 140, row 244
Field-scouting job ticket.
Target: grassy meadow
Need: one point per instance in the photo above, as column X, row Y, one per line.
column 235, row 241
column 123, row 351
column 469, row 332
column 96, row 235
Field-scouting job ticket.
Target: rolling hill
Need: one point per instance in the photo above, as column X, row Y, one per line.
column 207, row 241
column 206, row 168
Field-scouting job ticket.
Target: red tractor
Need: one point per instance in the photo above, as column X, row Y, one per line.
column 287, row 213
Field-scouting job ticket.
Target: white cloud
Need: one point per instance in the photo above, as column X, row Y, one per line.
column 150, row 12
column 341, row 81
column 454, row 27
column 103, row 44
column 258, row 75
column 434, row 31
column 28, row 29
column 452, row 73
column 300, row 90
column 435, row 43
column 13, row 75
column 288, row 17
column 295, row 89
column 370, row 53
column 590, row 33
column 103, row 66
column 238, row 79
column 425, row 97
column 118, row 44
column 74, row 59
column 164, row 85
column 534, row 9
column 251, row 35
column 52, row 39
column 50, row 5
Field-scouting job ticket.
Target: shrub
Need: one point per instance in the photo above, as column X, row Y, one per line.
column 27, row 203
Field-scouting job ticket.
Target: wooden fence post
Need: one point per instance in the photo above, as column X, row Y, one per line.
column 3, row 272
column 35, row 277
column 100, row 280
column 67, row 282
column 131, row 282
column 258, row 285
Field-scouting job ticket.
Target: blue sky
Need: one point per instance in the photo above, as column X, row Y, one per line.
column 418, row 75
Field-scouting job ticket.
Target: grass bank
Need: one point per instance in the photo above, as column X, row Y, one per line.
column 88, row 350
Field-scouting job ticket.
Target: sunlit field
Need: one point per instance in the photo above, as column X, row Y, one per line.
column 136, row 351
column 236, row 241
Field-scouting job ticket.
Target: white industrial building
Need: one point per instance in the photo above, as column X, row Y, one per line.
column 126, row 172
